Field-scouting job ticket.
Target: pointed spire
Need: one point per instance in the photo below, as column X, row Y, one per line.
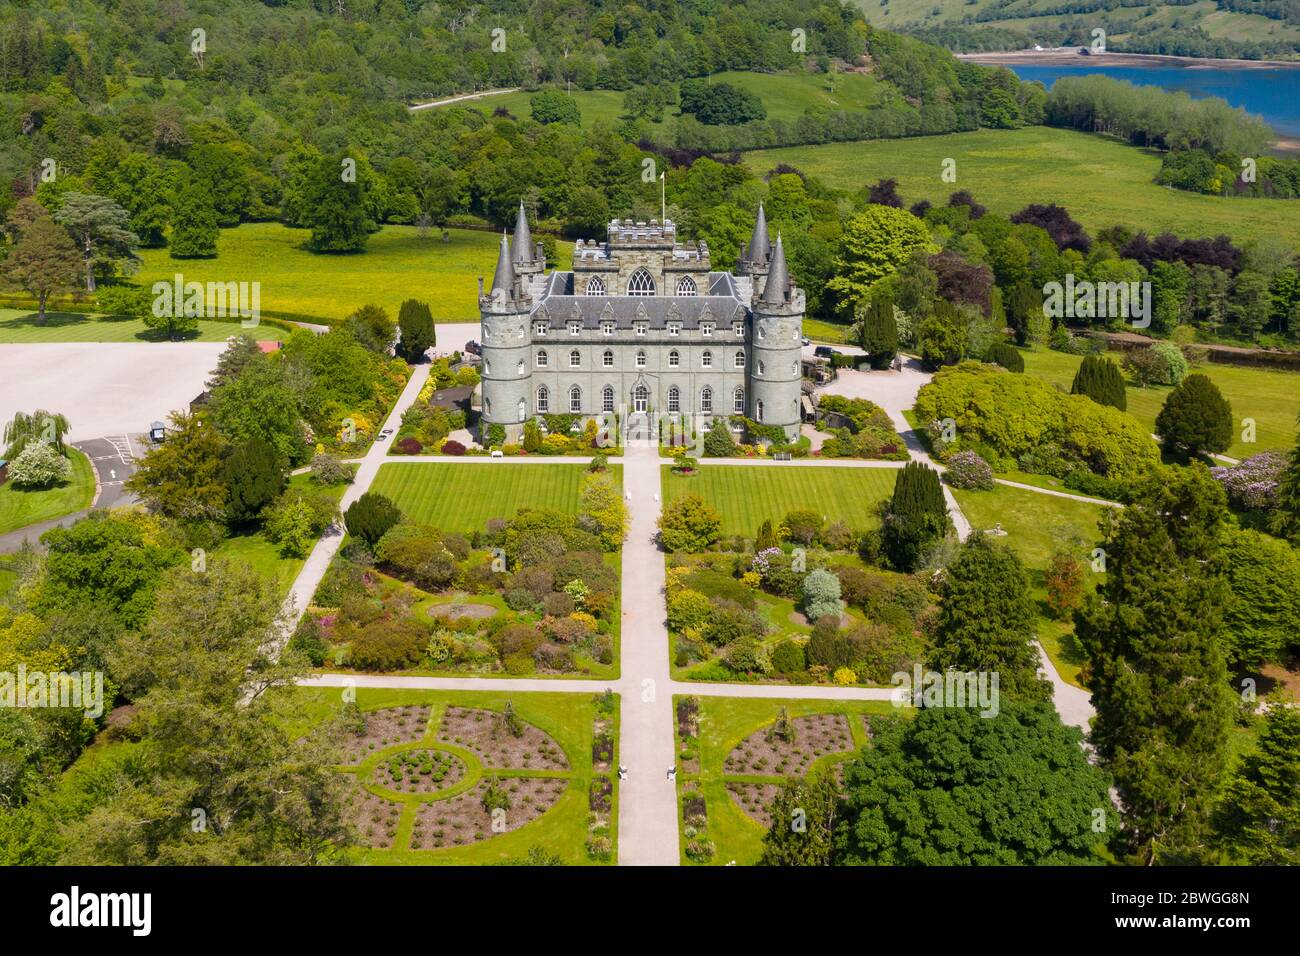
column 778, row 277
column 523, row 245
column 759, row 244
column 504, row 278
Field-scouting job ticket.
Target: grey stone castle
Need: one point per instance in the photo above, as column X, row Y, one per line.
column 642, row 327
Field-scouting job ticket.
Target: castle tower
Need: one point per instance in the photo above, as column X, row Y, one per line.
column 507, row 342
column 526, row 256
column 754, row 256
column 777, row 346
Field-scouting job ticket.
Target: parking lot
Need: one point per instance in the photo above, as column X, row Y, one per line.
column 106, row 389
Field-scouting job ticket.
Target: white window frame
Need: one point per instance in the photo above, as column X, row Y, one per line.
column 706, row 329
column 641, row 283
column 607, row 327
column 543, row 400
column 607, row 398
column 575, row 400
column 706, row 400
column 706, row 359
column 738, row 401
column 674, row 359
column 607, row 359
column 595, row 286
column 686, row 286
column 541, row 327
column 674, row 328
column 641, row 327
column 543, row 360
column 575, row 326
column 575, row 359
column 674, row 400
column 640, row 358
column 739, row 360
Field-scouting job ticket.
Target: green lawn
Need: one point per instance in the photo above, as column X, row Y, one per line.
column 1100, row 180
column 297, row 284
column 1037, row 526
column 19, row 326
column 785, row 96
column 1271, row 398
column 462, row 497
column 745, row 496
column 568, row 718
column 725, row 722
column 21, row 507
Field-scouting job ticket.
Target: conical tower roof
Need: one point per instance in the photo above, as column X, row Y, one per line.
column 504, row 278
column 778, row 277
column 523, row 244
column 759, row 244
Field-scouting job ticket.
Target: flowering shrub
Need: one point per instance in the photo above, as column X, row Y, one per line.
column 966, row 469
column 844, row 676
column 763, row 560
column 1253, row 482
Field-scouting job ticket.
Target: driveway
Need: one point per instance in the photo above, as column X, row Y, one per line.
column 104, row 388
column 114, row 461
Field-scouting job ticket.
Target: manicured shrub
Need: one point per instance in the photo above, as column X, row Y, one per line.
column 452, row 447
column 880, row 332
column 408, row 446
column 838, row 536
column 718, row 443
column 766, row 537
column 788, row 658
column 1101, row 380
column 728, row 624
column 371, row 516
column 253, row 474
column 802, row 526
column 387, row 645
column 417, row 554
column 747, row 656
column 418, row 332
column 821, row 595
column 1006, row 355
column 966, row 469
column 1196, row 418
column 689, row 524
column 298, row 518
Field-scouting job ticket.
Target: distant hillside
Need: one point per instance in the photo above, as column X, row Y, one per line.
column 1251, row 29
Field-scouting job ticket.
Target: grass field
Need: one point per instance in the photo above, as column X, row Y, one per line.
column 462, row 497
column 20, row 507
column 1271, row 398
column 746, row 496
column 568, row 718
column 296, row 284
column 1037, row 526
column 18, row 326
column 785, row 96
column 725, row 722
column 1101, row 181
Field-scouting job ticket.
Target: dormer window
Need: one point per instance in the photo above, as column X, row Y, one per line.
column 641, row 283
column 674, row 328
column 541, row 327
column 606, row 327
column 706, row 328
column 737, row 328
column 575, row 326
column 640, row 327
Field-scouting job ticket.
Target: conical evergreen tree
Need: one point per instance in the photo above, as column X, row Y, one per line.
column 1151, row 635
column 916, row 517
column 1006, row 355
column 880, row 332
column 1259, row 817
column 1196, row 418
column 766, row 537
column 1101, row 380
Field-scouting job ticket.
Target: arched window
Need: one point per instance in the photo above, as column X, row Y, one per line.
column 706, row 400
column 640, row 358
column 543, row 399
column 686, row 286
column 738, row 401
column 794, row 367
column 575, row 359
column 595, row 286
column 706, row 359
column 607, row 399
column 758, row 411
column 520, row 368
column 607, row 359
column 674, row 400
column 760, row 367
column 523, row 409
column 640, row 398
column 740, row 359
column 673, row 359
column 575, row 400
column 641, row 283
column 542, row 358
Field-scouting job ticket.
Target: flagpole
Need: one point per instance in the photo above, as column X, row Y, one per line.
column 663, row 197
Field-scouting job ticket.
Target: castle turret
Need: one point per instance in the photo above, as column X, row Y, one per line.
column 754, row 256
column 507, row 342
column 526, row 256
column 777, row 342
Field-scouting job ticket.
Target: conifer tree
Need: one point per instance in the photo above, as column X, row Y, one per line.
column 880, row 332
column 1101, row 380
column 1004, row 354
column 1196, row 418
column 766, row 536
column 916, row 517
column 1258, row 819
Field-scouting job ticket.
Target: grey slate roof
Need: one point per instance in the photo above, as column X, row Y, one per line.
column 559, row 305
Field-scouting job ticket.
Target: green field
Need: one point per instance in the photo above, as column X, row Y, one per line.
column 568, row 718
column 745, row 496
column 462, row 497
column 1101, row 181
column 19, row 326
column 296, row 284
column 725, row 722
column 1037, row 526
column 21, row 507
column 1271, row 398
column 785, row 96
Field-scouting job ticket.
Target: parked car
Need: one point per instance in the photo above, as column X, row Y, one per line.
column 157, row 432
column 825, row 351
column 473, row 348
column 805, row 341
column 384, row 433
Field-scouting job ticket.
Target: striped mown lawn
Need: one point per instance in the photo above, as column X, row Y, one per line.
column 745, row 496
column 18, row 326
column 462, row 497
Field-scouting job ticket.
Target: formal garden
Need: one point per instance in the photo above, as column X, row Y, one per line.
column 735, row 754
column 533, row 594
column 469, row 777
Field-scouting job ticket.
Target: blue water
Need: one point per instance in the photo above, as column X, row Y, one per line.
column 1271, row 93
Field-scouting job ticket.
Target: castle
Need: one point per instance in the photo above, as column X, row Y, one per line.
column 641, row 327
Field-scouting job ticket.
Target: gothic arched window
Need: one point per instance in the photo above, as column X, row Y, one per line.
column 607, row 399
column 686, row 286
column 595, row 286
column 641, row 283
column 575, row 400
column 738, row 401
column 543, row 399
column 674, row 400
column 706, row 400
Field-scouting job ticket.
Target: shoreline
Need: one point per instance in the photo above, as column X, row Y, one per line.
column 1071, row 56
